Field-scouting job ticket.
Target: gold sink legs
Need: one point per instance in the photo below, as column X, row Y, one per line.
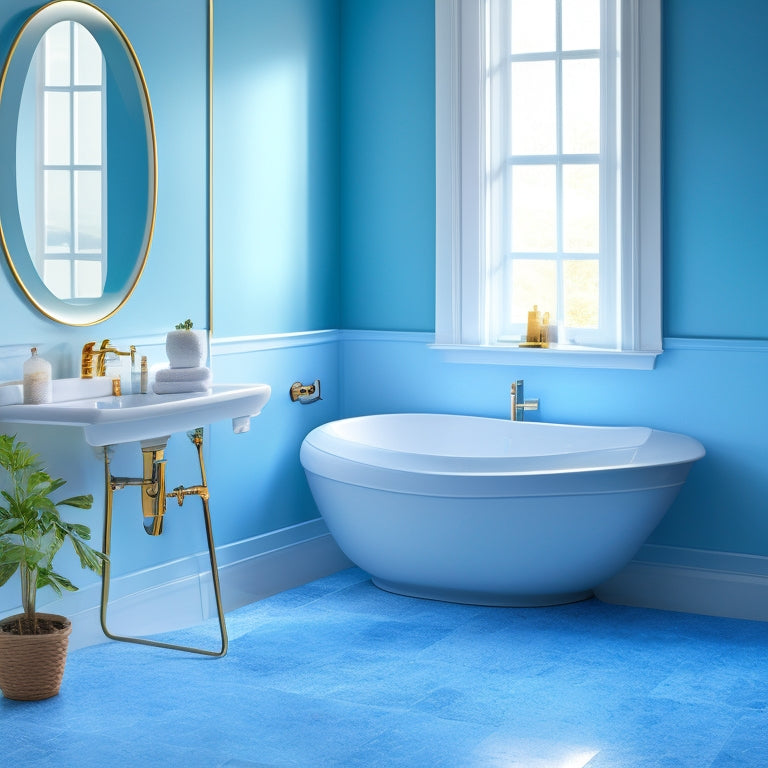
column 153, row 501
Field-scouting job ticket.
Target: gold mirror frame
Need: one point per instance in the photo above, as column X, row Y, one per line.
column 121, row 56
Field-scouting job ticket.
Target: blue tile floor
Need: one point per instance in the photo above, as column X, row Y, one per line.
column 339, row 673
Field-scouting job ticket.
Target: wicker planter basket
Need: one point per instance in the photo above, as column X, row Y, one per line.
column 32, row 666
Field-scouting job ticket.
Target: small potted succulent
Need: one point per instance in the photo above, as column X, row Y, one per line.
column 184, row 347
column 33, row 646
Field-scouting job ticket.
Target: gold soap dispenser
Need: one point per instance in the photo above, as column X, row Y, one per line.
column 537, row 334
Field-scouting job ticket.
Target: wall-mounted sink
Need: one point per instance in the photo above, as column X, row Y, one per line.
column 107, row 420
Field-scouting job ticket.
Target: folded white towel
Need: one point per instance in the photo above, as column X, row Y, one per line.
column 180, row 387
column 196, row 374
column 172, row 381
column 11, row 393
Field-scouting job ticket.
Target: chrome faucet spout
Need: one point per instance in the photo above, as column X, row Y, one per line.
column 518, row 404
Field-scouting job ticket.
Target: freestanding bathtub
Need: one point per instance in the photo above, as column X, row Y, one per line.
column 492, row 512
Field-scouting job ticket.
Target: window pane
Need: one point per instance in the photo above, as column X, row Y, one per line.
column 56, row 276
column 532, row 26
column 88, row 219
column 87, row 58
column 88, row 128
column 581, row 24
column 581, row 208
column 533, row 108
column 57, row 54
column 581, row 106
column 582, row 293
column 56, row 128
column 532, row 281
column 534, row 209
column 57, row 212
column 88, row 282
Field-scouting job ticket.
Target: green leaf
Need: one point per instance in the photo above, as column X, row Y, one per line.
column 13, row 554
column 54, row 580
column 79, row 530
column 10, row 525
column 6, row 571
column 81, row 502
column 32, row 557
column 89, row 557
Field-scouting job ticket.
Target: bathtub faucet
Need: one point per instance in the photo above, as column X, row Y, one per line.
column 518, row 404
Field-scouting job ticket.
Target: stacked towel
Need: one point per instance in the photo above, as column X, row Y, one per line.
column 171, row 381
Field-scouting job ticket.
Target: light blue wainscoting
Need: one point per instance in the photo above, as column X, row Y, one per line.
column 257, row 475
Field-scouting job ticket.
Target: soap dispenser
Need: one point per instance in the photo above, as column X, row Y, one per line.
column 533, row 335
column 37, row 385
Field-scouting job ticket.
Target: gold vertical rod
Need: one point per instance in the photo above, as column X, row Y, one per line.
column 107, row 542
column 105, row 574
column 209, row 95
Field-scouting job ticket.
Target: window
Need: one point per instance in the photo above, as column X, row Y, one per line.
column 70, row 252
column 548, row 169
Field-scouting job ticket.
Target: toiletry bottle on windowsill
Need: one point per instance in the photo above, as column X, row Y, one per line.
column 533, row 335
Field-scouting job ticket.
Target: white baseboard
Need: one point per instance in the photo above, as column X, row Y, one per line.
column 692, row 581
column 180, row 594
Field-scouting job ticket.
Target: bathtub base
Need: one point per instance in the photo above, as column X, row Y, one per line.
column 468, row 597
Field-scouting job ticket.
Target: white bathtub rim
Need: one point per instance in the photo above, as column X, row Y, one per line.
column 652, row 448
column 328, row 455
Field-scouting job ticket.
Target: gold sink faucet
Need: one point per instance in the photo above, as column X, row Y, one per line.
column 90, row 353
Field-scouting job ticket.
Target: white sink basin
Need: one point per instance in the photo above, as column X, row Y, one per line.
column 107, row 420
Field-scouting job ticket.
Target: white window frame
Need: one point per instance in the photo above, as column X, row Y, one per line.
column 460, row 227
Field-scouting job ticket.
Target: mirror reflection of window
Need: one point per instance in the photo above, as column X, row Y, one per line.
column 70, row 199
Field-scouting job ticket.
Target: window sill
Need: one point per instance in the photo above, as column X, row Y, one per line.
column 572, row 357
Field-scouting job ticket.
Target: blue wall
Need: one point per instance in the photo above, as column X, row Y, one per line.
column 324, row 210
column 276, row 128
column 388, row 164
column 710, row 381
column 715, row 120
column 276, row 243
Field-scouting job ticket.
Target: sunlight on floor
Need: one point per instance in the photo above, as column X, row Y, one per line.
column 535, row 752
column 577, row 760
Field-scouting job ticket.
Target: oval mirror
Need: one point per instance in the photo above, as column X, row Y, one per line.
column 77, row 212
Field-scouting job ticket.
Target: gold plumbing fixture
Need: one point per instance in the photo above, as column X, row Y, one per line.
column 305, row 393
column 90, row 353
column 153, row 490
column 180, row 492
column 153, row 503
column 518, row 404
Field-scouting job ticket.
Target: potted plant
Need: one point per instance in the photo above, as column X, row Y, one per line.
column 33, row 646
column 184, row 347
